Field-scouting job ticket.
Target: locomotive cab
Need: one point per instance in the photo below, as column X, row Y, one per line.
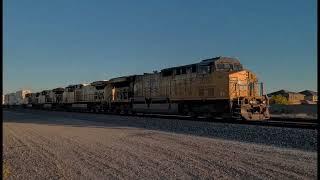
column 220, row 64
column 245, row 93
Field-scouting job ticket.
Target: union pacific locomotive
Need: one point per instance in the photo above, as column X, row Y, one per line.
column 216, row 87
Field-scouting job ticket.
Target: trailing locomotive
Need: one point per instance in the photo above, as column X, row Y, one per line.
column 216, row 87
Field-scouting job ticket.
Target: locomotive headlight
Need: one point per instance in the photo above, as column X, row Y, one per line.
column 263, row 102
column 251, row 102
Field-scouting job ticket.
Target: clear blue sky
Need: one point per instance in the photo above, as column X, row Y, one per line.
column 51, row 43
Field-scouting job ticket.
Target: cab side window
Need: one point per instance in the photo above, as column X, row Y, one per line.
column 178, row 71
column 194, row 68
column 184, row 70
column 220, row 66
column 226, row 67
column 205, row 69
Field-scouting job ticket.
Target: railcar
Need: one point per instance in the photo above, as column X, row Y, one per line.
column 56, row 96
column 101, row 97
column 16, row 99
column 32, row 100
column 72, row 98
column 10, row 100
column 119, row 93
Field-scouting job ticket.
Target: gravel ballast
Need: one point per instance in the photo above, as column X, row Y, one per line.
column 60, row 145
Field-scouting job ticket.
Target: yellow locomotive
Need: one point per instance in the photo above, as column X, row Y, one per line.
column 214, row 87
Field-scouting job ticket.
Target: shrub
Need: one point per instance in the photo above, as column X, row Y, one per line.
column 5, row 170
column 279, row 99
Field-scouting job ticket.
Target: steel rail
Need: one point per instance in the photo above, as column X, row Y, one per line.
column 274, row 122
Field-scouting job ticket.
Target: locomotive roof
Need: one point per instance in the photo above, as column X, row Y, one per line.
column 208, row 61
column 309, row 93
column 120, row 79
column 46, row 91
column 76, row 85
column 99, row 83
column 189, row 65
column 58, row 89
column 220, row 59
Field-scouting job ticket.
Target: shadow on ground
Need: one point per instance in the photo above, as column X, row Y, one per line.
column 303, row 139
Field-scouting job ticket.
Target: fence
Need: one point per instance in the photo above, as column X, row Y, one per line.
column 306, row 109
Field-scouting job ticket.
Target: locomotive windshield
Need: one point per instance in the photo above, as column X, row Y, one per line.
column 237, row 67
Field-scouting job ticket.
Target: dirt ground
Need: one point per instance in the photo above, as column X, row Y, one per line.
column 44, row 146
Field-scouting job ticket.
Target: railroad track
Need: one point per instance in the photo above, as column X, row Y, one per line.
column 275, row 122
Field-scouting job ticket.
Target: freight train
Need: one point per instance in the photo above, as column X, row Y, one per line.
column 215, row 87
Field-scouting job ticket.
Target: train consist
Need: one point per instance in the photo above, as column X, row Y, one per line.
column 216, row 87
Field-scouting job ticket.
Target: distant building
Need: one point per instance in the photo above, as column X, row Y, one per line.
column 292, row 97
column 310, row 95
